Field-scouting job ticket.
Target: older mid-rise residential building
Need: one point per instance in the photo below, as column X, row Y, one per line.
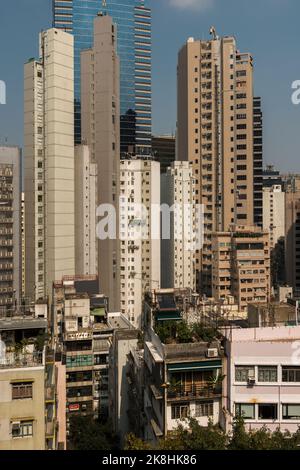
column 241, row 265
column 86, row 246
column 22, row 385
column 100, row 94
column 178, row 227
column 182, row 378
column 262, row 378
column 49, row 164
column 84, row 330
column 10, row 228
column 215, row 133
column 139, row 234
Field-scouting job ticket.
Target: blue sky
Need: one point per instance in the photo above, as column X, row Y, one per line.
column 267, row 28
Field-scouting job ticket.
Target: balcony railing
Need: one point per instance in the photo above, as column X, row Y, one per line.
column 14, row 360
column 193, row 391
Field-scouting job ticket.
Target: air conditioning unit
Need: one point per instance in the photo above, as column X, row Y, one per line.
column 251, row 381
column 212, row 352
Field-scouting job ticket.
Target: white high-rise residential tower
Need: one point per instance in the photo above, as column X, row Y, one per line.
column 49, row 163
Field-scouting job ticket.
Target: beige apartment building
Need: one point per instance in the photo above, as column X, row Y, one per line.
column 49, row 163
column 241, row 265
column 215, row 133
column 100, row 90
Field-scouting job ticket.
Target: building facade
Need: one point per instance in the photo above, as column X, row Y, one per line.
column 139, row 234
column 177, row 246
column 86, row 246
column 263, row 378
column 49, row 164
column 10, row 228
column 22, row 383
column 133, row 21
column 215, row 133
column 101, row 132
column 241, row 265
column 258, row 161
column 292, row 238
column 274, row 213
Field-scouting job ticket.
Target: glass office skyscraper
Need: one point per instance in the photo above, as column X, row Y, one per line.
column 133, row 20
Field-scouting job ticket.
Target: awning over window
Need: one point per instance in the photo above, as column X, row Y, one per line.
column 186, row 366
column 167, row 316
column 99, row 312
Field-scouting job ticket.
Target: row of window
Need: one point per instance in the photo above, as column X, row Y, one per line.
column 267, row 373
column 267, row 411
column 202, row 409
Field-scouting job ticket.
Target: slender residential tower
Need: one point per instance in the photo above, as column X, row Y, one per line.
column 49, row 164
column 100, row 83
column 215, row 133
column 133, row 21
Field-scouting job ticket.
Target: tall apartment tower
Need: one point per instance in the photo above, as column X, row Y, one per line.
column 215, row 133
column 10, row 228
column 86, row 249
column 139, row 234
column 258, row 161
column 177, row 251
column 49, row 164
column 100, row 82
column 133, row 21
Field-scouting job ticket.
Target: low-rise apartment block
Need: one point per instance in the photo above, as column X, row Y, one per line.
column 22, row 383
column 262, row 381
column 183, row 377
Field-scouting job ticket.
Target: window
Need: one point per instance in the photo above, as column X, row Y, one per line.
column 204, row 409
column 180, row 411
column 22, row 429
column 268, row 411
column 242, row 373
column 245, row 410
column 291, row 411
column 290, row 374
column 267, row 374
column 21, row 390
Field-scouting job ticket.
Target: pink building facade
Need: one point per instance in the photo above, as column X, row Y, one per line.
column 262, row 383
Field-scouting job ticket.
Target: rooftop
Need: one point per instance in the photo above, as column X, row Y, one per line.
column 22, row 322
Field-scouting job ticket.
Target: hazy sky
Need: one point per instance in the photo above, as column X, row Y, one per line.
column 268, row 29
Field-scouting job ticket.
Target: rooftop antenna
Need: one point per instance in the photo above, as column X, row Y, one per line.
column 213, row 33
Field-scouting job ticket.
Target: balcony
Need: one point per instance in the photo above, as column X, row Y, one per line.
column 13, row 360
column 190, row 392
